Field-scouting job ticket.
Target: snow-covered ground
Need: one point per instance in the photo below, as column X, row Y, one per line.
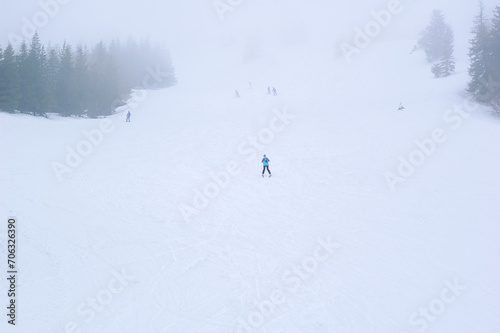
column 165, row 224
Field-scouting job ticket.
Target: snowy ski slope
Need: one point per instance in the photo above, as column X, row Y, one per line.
column 167, row 226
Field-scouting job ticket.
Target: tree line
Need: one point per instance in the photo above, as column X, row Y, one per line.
column 76, row 81
column 484, row 54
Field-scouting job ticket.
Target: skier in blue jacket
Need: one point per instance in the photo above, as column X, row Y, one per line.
column 266, row 161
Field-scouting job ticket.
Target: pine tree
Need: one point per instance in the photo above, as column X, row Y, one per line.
column 2, row 80
column 479, row 56
column 9, row 92
column 438, row 70
column 494, row 51
column 448, row 61
column 36, row 97
column 65, row 86
column 106, row 87
column 52, row 75
column 24, row 71
column 431, row 38
column 82, row 83
column 437, row 42
column 43, row 86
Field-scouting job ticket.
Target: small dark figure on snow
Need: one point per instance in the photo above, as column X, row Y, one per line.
column 401, row 107
column 268, row 91
column 237, row 94
column 275, row 93
column 128, row 117
column 266, row 161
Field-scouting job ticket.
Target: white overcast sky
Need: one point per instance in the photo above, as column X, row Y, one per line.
column 188, row 24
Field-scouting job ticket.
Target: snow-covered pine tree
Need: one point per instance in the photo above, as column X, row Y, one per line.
column 82, row 80
column 36, row 97
column 52, row 70
column 23, row 70
column 437, row 70
column 107, row 85
column 494, row 83
column 479, row 56
column 448, row 61
column 2, row 79
column 66, row 89
column 437, row 41
column 431, row 39
column 10, row 98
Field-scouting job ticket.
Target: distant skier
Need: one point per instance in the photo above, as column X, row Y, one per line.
column 275, row 93
column 265, row 161
column 128, row 117
column 237, row 94
column 268, row 91
column 250, row 84
column 401, row 107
